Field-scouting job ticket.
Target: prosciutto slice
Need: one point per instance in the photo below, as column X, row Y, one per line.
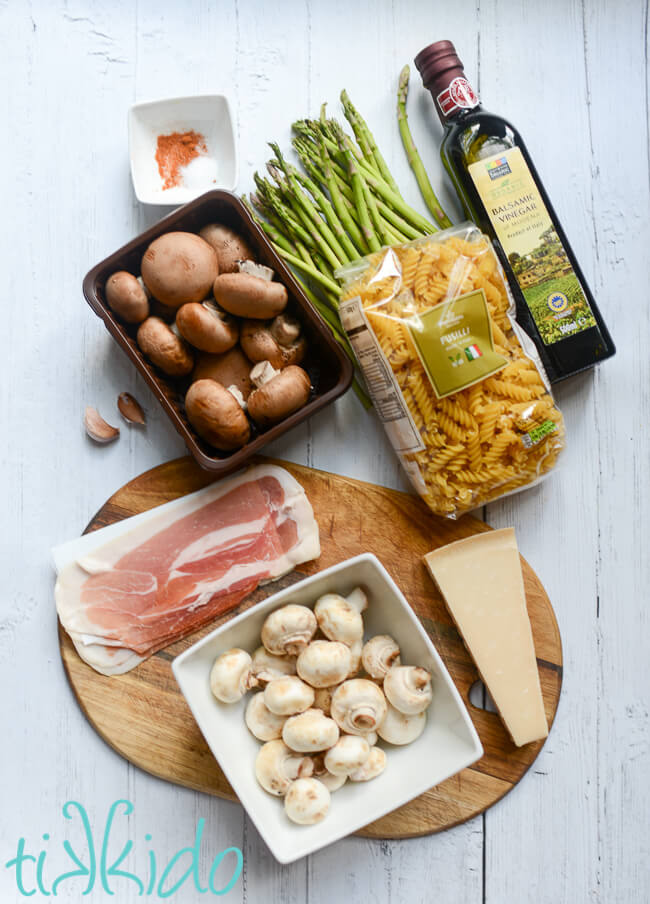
column 123, row 597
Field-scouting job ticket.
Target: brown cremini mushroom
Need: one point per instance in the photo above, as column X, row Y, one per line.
column 250, row 296
column 229, row 246
column 232, row 368
column 127, row 296
column 207, row 327
column 179, row 267
column 259, row 340
column 216, row 415
column 279, row 393
column 164, row 348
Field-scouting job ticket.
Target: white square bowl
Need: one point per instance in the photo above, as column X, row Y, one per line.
column 208, row 114
column 448, row 744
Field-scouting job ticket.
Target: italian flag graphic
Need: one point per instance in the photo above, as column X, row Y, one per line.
column 473, row 352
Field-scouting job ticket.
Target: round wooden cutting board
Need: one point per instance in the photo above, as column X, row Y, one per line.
column 143, row 716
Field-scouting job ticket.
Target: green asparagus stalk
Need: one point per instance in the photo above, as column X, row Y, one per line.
column 360, row 202
column 309, row 208
column 366, row 139
column 413, row 156
column 315, row 274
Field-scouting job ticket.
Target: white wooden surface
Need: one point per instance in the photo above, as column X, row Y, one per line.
column 572, row 74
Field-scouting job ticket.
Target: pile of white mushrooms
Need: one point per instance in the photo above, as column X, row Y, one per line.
column 319, row 721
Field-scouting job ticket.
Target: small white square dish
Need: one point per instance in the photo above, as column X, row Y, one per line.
column 216, row 165
column 448, row 743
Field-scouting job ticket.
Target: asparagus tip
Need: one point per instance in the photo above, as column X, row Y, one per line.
column 403, row 86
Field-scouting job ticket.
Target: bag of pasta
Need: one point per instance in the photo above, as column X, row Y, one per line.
column 458, row 386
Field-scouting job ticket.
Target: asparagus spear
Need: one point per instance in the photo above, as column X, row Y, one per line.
column 413, row 156
column 366, row 139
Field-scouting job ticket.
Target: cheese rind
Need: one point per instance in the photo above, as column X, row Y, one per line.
column 481, row 582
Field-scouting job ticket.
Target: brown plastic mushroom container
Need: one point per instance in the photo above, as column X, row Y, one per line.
column 329, row 369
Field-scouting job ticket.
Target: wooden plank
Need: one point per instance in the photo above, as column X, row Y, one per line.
column 143, row 716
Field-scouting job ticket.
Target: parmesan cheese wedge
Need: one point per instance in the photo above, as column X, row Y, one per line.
column 481, row 582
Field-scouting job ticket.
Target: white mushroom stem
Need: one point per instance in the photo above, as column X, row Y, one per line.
column 144, row 288
column 307, row 801
column 231, row 676
column 276, row 767
column 213, row 308
column 373, row 766
column 255, row 269
column 358, row 599
column 285, row 330
column 236, row 393
column 263, row 373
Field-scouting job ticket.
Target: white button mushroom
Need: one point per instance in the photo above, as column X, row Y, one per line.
column 276, row 767
column 267, row 666
column 371, row 738
column 380, row 654
column 307, row 801
column 408, row 689
column 324, row 663
column 348, row 754
column 398, row 728
column 358, row 706
column 310, row 731
column 337, row 619
column 288, row 630
column 358, row 598
column 288, row 695
column 262, row 723
column 231, row 676
column 373, row 766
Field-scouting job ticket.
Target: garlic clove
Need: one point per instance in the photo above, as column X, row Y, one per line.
column 130, row 409
column 97, row 428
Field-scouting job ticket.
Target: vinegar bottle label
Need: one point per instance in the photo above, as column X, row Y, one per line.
column 536, row 255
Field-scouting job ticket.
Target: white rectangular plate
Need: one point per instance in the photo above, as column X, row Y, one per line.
column 448, row 744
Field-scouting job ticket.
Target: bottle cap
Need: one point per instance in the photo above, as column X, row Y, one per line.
column 437, row 59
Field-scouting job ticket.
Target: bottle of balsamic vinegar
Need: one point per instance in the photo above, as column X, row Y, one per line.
column 501, row 191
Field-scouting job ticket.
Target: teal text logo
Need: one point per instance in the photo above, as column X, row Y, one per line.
column 93, row 867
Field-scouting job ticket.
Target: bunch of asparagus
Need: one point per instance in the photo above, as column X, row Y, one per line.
column 342, row 204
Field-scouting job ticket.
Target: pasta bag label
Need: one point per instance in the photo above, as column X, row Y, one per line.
column 454, row 342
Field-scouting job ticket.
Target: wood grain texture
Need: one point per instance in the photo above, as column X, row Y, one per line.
column 143, row 716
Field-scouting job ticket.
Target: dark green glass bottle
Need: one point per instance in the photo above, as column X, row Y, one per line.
column 501, row 191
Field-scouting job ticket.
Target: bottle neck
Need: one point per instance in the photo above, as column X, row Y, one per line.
column 453, row 96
